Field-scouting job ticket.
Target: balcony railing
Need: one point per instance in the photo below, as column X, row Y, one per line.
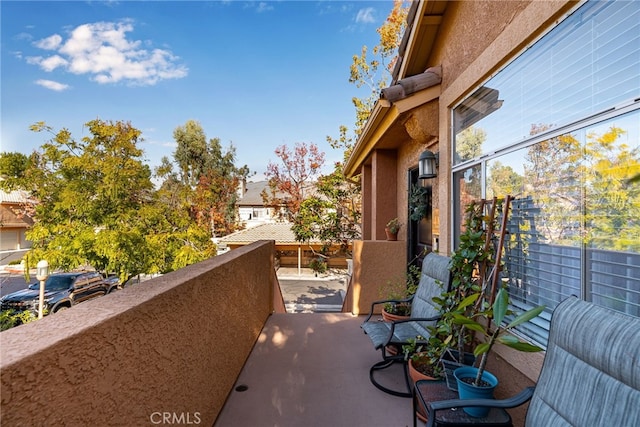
column 208, row 344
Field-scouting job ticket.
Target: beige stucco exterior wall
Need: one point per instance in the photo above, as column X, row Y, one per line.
column 375, row 263
column 120, row 360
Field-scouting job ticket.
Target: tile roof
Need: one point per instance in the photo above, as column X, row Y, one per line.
column 280, row 232
column 16, row 196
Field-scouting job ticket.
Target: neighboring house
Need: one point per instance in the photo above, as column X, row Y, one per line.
column 289, row 252
column 13, row 224
column 536, row 99
column 251, row 208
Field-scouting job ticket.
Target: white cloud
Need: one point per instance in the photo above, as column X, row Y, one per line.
column 263, row 7
column 49, row 43
column 50, row 84
column 103, row 51
column 52, row 62
column 366, row 16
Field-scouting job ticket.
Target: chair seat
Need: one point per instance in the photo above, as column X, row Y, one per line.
column 379, row 333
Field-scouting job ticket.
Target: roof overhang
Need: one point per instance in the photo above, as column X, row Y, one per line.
column 385, row 127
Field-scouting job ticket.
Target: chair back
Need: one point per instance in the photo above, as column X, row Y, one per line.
column 435, row 278
column 591, row 371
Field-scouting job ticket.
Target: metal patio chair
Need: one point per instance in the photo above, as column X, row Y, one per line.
column 434, row 279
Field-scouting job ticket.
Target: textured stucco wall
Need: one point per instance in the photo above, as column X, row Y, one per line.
column 375, row 262
column 174, row 345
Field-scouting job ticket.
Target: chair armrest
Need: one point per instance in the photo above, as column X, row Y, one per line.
column 519, row 399
column 385, row 301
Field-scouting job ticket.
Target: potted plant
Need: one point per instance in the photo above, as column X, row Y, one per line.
column 477, row 382
column 470, row 267
column 423, row 359
column 392, row 228
column 397, row 293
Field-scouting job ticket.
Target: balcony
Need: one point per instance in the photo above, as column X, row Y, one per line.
column 210, row 344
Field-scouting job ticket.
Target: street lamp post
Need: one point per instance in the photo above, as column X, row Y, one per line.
column 42, row 274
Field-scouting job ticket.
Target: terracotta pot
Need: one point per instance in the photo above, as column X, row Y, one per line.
column 391, row 236
column 389, row 317
column 416, row 375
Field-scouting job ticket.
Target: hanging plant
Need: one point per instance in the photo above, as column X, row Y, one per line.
column 418, row 202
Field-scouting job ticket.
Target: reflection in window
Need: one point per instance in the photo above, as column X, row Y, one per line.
column 574, row 227
column 468, row 187
column 587, row 64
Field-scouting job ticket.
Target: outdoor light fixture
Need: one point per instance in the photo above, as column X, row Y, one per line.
column 427, row 165
column 42, row 273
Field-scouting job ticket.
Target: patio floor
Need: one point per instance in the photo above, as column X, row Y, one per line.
column 312, row 369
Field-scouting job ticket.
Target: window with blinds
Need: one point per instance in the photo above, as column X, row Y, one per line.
column 588, row 63
column 559, row 129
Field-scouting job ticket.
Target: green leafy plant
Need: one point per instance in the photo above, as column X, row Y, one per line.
column 319, row 265
column 394, row 225
column 425, row 354
column 482, row 323
column 11, row 318
column 401, row 290
column 418, row 202
column 471, row 271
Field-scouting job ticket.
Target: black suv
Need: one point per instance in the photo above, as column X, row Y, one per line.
column 61, row 291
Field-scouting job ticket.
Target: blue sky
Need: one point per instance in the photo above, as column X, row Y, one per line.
column 255, row 74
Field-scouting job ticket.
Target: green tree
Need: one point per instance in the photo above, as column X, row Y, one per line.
column 12, row 169
column 88, row 190
column 333, row 213
column 207, row 179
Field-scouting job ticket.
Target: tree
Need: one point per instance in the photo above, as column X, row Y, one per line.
column 333, row 214
column 298, row 169
column 87, row 190
column 375, row 70
column 12, row 169
column 207, row 179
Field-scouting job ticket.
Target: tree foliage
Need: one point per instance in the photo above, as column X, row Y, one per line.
column 373, row 69
column 206, row 182
column 13, row 166
column 97, row 206
column 293, row 176
column 333, row 213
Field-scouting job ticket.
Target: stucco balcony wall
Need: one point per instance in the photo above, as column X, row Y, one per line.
column 174, row 345
column 378, row 267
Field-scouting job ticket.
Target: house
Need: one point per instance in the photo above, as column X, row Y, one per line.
column 251, row 207
column 14, row 222
column 539, row 100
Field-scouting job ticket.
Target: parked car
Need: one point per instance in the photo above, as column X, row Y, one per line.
column 62, row 291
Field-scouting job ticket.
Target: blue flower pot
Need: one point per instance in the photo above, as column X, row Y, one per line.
column 468, row 391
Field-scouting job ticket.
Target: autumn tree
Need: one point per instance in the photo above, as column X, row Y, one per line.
column 332, row 214
column 292, row 178
column 373, row 69
column 206, row 181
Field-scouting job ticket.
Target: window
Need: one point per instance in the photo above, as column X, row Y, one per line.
column 564, row 143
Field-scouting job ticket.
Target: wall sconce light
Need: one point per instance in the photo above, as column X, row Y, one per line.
column 427, row 165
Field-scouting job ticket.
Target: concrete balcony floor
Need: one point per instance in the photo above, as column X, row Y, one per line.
column 312, row 369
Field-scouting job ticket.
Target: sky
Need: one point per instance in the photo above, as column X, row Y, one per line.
column 254, row 74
